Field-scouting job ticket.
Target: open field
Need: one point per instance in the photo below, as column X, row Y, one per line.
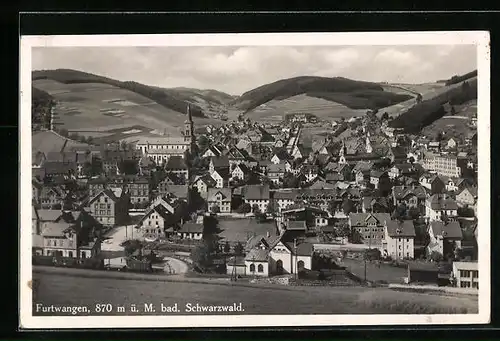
column 275, row 110
column 454, row 126
column 240, row 230
column 256, row 299
column 384, row 272
column 97, row 106
column 49, row 141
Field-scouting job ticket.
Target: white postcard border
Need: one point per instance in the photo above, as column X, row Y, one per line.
column 479, row 38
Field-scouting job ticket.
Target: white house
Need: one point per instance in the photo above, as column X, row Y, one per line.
column 154, row 222
column 398, row 242
column 466, row 274
column 191, row 231
column 468, row 196
column 439, row 205
column 221, row 177
column 287, row 257
column 203, row 183
column 285, row 198
column 257, row 195
column 257, row 262
column 220, row 197
column 240, row 171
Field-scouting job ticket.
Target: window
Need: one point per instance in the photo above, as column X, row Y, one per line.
column 407, row 255
column 407, row 240
column 399, row 247
column 260, row 268
column 70, row 254
column 252, row 267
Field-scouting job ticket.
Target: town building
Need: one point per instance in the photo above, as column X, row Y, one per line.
column 220, row 198
column 177, row 165
column 153, row 223
column 110, row 207
column 221, row 177
column 398, row 242
column 370, row 226
column 258, row 195
column 444, row 238
column 467, row 197
column 411, row 196
column 160, row 149
column 440, row 207
column 466, row 274
column 202, row 183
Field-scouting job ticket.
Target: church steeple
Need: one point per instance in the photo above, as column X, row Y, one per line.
column 189, row 127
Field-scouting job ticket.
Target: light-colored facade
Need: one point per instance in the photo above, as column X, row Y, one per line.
column 466, row 274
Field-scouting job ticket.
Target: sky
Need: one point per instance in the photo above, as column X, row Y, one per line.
column 235, row 70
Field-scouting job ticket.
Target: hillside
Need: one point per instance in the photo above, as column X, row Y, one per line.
column 172, row 99
column 350, row 93
column 430, row 109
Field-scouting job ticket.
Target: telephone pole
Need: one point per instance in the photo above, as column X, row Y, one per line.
column 295, row 251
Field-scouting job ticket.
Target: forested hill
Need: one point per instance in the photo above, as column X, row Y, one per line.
column 426, row 112
column 41, row 103
column 351, row 93
column 164, row 97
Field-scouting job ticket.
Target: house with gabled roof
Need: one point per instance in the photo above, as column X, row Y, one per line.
column 211, row 151
column 440, row 207
column 411, row 196
column 153, row 223
column 370, row 226
column 110, row 207
column 433, row 183
column 178, row 166
column 52, row 196
column 398, row 242
column 219, row 163
column 191, row 230
column 202, row 183
column 258, row 195
column 467, row 196
column 280, row 156
column 221, row 177
column 444, row 237
column 240, row 172
column 221, row 198
column 276, row 172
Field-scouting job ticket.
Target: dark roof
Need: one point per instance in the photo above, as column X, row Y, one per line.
column 360, row 219
column 403, row 228
column 56, row 167
column 191, row 228
column 440, row 202
column 220, row 161
column 377, row 173
column 180, row 191
column 276, row 168
column 223, row 172
column 296, row 225
column 226, row 193
column 256, row 192
column 303, row 249
column 257, row 255
column 401, row 192
column 282, row 154
column 176, row 162
column 450, row 230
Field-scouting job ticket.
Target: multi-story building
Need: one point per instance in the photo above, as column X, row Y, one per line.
column 370, row 226
column 466, row 274
column 398, row 242
column 439, row 207
column 448, row 165
column 160, row 149
column 221, row 198
column 258, row 195
column 411, row 196
column 110, row 207
column 177, row 165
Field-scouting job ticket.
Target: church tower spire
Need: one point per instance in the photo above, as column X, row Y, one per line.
column 189, row 128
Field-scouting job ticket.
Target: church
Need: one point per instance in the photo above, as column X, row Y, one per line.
column 160, row 149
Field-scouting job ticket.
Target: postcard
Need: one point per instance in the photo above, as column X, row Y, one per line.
column 243, row 180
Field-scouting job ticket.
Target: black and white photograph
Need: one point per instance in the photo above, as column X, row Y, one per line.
column 217, row 180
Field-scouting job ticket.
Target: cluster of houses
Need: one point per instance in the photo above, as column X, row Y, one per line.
column 364, row 175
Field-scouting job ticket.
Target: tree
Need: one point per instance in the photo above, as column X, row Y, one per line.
column 201, row 256
column 385, row 116
column 270, row 208
column 255, row 209
column 372, row 254
column 215, row 209
column 227, row 247
column 131, row 246
column 413, row 212
column 238, row 249
column 244, row 208
column 436, row 256
column 355, row 237
column 290, row 181
column 411, row 160
column 348, row 206
column 203, row 142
